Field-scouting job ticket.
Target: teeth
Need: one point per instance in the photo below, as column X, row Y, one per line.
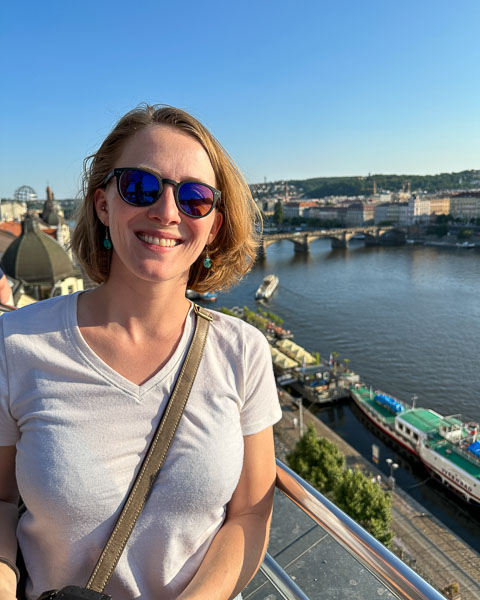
column 164, row 242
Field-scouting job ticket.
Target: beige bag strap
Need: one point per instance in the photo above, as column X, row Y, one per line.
column 154, row 458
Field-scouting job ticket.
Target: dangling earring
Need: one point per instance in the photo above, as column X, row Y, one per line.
column 207, row 261
column 107, row 244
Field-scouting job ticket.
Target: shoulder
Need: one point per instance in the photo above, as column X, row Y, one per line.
column 237, row 343
column 237, row 329
column 38, row 317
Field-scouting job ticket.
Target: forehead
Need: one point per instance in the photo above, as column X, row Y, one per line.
column 171, row 152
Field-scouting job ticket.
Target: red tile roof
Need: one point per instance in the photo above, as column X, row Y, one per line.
column 11, row 227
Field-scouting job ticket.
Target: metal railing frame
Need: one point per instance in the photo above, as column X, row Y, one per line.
column 6, row 308
column 389, row 570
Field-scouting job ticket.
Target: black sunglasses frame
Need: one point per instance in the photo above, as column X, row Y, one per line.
column 161, row 181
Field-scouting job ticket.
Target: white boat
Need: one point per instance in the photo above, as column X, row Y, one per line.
column 267, row 287
column 465, row 245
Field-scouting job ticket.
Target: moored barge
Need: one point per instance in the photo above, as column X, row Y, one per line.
column 447, row 446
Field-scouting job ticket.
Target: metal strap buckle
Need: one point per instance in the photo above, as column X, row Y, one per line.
column 203, row 312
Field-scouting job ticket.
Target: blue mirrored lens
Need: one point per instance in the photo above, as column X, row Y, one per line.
column 139, row 187
column 195, row 199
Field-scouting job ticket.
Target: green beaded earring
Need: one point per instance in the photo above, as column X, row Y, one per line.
column 207, row 261
column 107, row 244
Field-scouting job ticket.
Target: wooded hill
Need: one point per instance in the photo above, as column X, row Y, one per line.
column 320, row 187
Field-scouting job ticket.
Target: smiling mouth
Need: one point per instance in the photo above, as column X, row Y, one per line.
column 164, row 242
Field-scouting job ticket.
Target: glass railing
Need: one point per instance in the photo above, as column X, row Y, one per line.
column 317, row 551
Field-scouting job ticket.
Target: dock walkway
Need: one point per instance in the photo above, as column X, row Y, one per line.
column 429, row 547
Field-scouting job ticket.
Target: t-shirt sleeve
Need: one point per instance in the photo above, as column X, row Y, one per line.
column 261, row 407
column 9, row 433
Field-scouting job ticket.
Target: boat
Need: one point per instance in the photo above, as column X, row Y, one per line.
column 267, row 287
column 449, row 447
column 465, row 245
column 205, row 297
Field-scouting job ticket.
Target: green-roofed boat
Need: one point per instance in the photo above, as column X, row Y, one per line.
column 449, row 447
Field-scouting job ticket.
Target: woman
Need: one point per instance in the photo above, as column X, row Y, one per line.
column 85, row 378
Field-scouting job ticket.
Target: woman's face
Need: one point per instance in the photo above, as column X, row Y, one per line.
column 171, row 154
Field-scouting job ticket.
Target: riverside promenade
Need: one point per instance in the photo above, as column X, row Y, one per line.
column 425, row 544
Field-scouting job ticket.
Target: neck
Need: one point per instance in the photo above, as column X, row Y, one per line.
column 141, row 308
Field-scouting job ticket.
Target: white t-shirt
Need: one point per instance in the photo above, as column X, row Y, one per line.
column 81, row 431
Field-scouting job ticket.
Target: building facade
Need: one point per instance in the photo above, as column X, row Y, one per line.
column 465, row 207
column 418, row 210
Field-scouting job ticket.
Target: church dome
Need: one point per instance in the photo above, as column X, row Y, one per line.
column 50, row 214
column 35, row 257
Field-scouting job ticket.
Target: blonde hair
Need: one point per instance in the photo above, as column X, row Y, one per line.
column 233, row 250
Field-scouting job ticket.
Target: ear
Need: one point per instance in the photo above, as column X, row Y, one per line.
column 101, row 206
column 217, row 223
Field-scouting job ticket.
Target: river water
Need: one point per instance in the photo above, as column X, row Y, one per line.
column 408, row 318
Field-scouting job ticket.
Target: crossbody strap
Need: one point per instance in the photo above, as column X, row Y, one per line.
column 154, row 458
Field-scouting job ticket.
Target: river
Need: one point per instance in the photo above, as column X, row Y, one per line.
column 408, row 318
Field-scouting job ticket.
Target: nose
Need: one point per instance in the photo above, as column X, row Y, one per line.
column 165, row 208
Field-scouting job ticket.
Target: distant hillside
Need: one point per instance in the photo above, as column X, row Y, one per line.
column 320, row 187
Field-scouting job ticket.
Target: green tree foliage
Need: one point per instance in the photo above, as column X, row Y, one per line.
column 465, row 234
column 278, row 213
column 227, row 311
column 443, row 219
column 254, row 319
column 438, row 230
column 270, row 316
column 356, row 186
column 275, row 318
column 317, row 460
column 366, row 503
column 320, row 462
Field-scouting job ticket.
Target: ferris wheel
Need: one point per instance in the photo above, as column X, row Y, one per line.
column 25, row 193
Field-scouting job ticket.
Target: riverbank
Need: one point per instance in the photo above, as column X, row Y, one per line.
column 424, row 543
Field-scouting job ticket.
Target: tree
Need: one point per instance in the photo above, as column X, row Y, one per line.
column 465, row 234
column 278, row 213
column 320, row 462
column 366, row 503
column 317, row 460
column 438, row 230
column 346, row 361
column 275, row 318
column 443, row 219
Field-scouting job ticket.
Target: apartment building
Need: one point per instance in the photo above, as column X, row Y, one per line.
column 465, row 207
column 391, row 212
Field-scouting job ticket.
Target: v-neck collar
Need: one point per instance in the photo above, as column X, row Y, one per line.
column 108, row 373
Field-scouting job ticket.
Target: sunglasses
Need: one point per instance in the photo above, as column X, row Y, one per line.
column 143, row 188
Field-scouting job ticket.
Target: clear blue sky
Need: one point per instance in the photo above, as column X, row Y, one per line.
column 292, row 89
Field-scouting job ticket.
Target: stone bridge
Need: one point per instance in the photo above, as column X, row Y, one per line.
column 340, row 237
